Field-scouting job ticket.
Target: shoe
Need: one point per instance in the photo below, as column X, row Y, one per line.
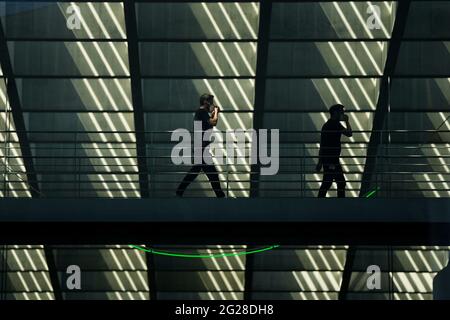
column 179, row 194
column 221, row 194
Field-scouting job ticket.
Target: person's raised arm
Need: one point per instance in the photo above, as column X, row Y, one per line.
column 348, row 132
column 214, row 116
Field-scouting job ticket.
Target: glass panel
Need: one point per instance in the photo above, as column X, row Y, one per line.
column 330, row 20
column 50, row 20
column 198, row 20
column 424, row 58
column 62, row 95
column 428, row 19
column 73, row 58
column 326, row 58
column 198, row 59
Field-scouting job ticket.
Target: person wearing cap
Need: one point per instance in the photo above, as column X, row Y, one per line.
column 330, row 151
column 208, row 115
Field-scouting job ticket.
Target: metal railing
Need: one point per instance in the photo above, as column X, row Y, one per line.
column 404, row 163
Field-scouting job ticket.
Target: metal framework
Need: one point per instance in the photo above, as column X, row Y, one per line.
column 265, row 13
column 376, row 137
column 382, row 107
column 53, row 272
column 16, row 110
column 136, row 93
column 139, row 123
column 17, row 113
column 151, row 275
column 248, row 277
column 258, row 114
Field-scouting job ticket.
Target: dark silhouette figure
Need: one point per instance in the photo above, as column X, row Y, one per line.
column 208, row 122
column 441, row 283
column 330, row 151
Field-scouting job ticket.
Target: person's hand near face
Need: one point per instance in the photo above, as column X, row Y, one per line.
column 344, row 117
column 214, row 113
column 214, row 108
column 348, row 131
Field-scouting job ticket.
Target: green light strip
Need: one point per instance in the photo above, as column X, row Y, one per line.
column 200, row 256
column 221, row 255
column 371, row 193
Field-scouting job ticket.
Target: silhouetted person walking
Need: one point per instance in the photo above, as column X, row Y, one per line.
column 330, row 151
column 208, row 122
column 441, row 283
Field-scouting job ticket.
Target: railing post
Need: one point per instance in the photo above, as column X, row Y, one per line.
column 148, row 158
column 379, row 159
column 303, row 168
column 388, row 166
column 227, row 177
column 5, row 146
column 77, row 165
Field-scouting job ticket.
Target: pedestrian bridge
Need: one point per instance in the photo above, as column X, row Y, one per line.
column 355, row 221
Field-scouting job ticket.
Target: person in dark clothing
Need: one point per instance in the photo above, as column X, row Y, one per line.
column 330, row 151
column 441, row 283
column 208, row 121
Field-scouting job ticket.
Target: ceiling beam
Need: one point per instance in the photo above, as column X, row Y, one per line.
column 347, row 273
column 248, row 278
column 376, row 138
column 17, row 115
column 382, row 107
column 25, row 149
column 151, row 274
column 265, row 13
column 53, row 272
column 139, row 123
column 136, row 93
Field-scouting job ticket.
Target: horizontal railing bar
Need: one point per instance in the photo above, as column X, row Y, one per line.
column 62, row 182
column 191, row 131
column 220, row 172
column 220, row 40
column 232, row 77
column 235, row 157
column 281, row 147
column 207, row 189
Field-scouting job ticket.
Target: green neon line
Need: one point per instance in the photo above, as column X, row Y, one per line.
column 220, row 255
column 371, row 193
column 185, row 255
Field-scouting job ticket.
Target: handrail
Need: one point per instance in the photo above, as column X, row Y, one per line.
column 73, row 164
column 188, row 129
